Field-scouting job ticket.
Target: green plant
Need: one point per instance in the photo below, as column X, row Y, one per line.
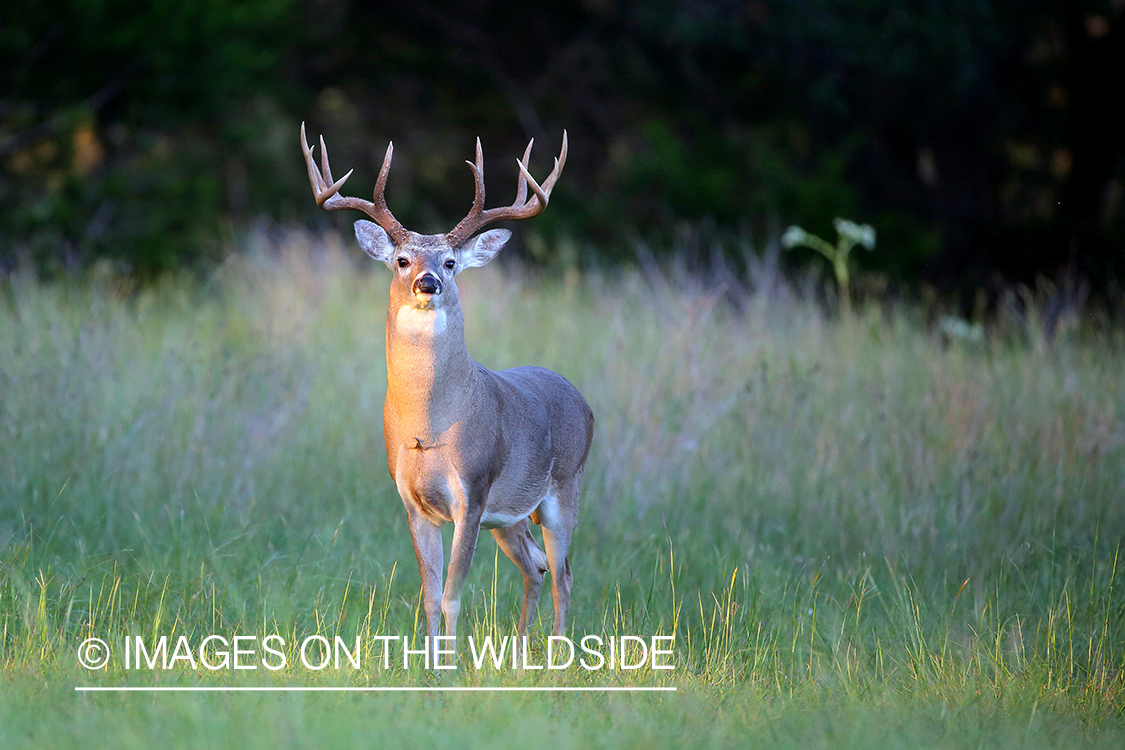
column 848, row 235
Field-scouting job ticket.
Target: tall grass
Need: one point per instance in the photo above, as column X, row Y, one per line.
column 855, row 513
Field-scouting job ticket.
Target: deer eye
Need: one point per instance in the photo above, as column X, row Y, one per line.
column 449, row 264
column 403, row 263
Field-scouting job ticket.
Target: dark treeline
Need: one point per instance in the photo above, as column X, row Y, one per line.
column 984, row 139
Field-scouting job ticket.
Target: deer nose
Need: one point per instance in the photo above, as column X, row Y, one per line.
column 427, row 283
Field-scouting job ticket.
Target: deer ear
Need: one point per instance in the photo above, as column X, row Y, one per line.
column 375, row 241
column 483, row 248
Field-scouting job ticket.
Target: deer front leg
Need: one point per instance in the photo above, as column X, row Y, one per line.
column 466, row 529
column 427, row 548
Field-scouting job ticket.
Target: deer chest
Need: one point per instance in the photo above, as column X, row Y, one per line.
column 427, row 480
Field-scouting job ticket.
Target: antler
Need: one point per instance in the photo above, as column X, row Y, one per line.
column 328, row 196
column 522, row 208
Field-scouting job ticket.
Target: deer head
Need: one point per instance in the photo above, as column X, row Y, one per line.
column 424, row 266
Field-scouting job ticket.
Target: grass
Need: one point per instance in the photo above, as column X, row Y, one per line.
column 859, row 533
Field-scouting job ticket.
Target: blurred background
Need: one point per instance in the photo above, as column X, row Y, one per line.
column 983, row 139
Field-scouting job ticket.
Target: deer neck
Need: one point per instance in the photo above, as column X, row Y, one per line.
column 430, row 375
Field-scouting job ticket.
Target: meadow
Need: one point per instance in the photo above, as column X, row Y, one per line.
column 860, row 532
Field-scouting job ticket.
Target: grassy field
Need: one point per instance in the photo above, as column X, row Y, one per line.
column 859, row 533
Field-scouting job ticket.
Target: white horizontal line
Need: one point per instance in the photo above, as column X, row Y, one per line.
column 418, row 689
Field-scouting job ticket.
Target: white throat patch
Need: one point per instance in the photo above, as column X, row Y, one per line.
column 420, row 321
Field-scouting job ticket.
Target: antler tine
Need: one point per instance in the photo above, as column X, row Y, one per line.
column 379, row 196
column 315, row 178
column 525, row 177
column 324, row 168
column 521, row 186
column 560, row 162
column 328, row 195
column 478, row 180
column 522, row 208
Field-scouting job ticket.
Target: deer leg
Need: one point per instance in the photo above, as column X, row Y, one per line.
column 465, row 533
column 557, row 527
column 520, row 547
column 428, row 549
column 557, row 542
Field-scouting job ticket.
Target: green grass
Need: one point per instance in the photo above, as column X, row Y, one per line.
column 860, row 534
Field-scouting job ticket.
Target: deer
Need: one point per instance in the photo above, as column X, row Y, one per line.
column 466, row 445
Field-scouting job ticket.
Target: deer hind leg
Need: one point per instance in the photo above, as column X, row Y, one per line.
column 559, row 514
column 520, row 547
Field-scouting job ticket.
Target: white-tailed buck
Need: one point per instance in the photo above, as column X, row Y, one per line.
column 466, row 445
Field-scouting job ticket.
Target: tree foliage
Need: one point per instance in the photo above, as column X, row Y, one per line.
column 980, row 137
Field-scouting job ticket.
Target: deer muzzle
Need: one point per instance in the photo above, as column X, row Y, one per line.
column 427, row 283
